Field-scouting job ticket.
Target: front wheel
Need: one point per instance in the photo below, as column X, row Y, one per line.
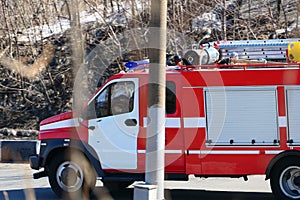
column 71, row 175
column 285, row 180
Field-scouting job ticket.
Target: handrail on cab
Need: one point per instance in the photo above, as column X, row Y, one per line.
column 244, row 66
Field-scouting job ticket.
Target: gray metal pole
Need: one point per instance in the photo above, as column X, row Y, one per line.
column 77, row 46
column 155, row 144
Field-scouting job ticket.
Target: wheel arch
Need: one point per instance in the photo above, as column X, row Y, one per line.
column 85, row 149
column 279, row 158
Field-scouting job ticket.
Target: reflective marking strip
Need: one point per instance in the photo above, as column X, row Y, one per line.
column 200, row 122
column 173, row 122
column 189, row 122
column 273, row 152
column 173, row 151
column 219, row 152
column 282, row 122
column 61, row 124
column 170, row 122
column 166, row 151
column 194, row 122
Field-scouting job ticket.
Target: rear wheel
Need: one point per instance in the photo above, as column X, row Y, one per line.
column 285, row 179
column 71, row 175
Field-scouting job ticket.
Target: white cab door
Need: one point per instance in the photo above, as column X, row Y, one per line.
column 113, row 132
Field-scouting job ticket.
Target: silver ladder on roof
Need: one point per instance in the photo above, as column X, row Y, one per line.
column 273, row 49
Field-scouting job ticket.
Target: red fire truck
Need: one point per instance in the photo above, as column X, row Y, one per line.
column 234, row 122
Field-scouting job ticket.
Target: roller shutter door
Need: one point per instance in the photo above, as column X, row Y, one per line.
column 241, row 115
column 293, row 109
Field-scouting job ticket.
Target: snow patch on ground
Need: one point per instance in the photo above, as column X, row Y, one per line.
column 119, row 15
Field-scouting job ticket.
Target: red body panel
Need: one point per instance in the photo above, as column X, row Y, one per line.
column 186, row 148
column 57, row 118
column 79, row 133
column 63, row 126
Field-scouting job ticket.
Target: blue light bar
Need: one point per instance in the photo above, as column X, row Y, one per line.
column 136, row 64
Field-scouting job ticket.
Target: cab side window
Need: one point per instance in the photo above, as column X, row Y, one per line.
column 117, row 98
column 102, row 103
column 170, row 97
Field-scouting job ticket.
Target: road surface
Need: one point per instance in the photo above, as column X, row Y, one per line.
column 16, row 183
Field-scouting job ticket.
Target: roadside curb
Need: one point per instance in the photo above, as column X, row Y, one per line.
column 17, row 151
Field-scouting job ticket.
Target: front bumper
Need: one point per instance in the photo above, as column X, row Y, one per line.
column 34, row 162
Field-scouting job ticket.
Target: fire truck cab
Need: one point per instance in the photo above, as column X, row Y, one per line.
column 235, row 121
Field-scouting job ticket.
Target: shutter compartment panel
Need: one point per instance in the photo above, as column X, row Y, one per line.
column 293, row 110
column 241, row 115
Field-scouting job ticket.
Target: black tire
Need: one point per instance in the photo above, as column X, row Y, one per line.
column 116, row 185
column 285, row 179
column 71, row 175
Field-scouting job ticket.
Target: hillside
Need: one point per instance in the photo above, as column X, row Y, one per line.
column 36, row 65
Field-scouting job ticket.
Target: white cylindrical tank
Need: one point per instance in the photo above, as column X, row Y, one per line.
column 204, row 56
column 209, row 56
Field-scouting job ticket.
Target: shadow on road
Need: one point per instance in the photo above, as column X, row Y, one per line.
column 127, row 194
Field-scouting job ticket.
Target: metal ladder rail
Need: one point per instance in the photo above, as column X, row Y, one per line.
column 255, row 49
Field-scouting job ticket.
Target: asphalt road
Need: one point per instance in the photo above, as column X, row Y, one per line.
column 16, row 183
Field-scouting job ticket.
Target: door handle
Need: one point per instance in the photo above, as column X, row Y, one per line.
column 131, row 122
column 93, row 127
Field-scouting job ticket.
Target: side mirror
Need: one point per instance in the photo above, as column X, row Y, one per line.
column 87, row 113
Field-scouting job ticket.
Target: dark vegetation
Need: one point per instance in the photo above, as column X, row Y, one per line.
column 36, row 73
